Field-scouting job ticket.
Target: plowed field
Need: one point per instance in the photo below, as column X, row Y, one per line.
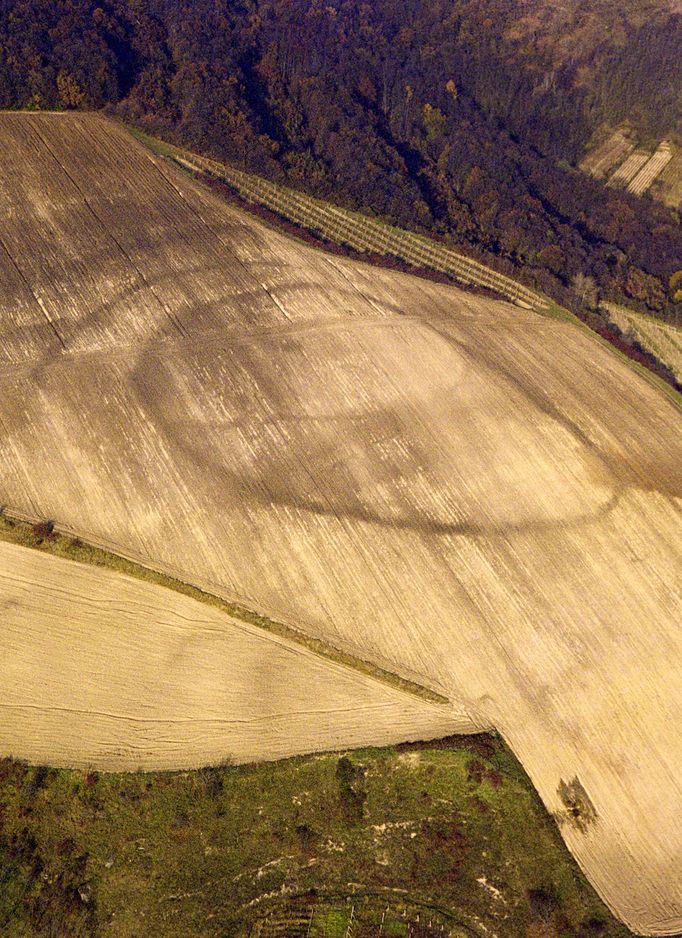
column 101, row 669
column 465, row 493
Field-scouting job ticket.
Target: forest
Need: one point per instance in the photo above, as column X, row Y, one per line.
column 456, row 118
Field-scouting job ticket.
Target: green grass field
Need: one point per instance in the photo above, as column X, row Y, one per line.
column 417, row 841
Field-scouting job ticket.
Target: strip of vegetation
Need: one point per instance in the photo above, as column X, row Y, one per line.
column 342, row 226
column 653, row 371
column 307, row 226
column 309, row 233
column 45, row 535
column 389, row 913
column 452, row 834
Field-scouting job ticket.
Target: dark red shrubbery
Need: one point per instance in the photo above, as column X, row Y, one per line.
column 43, row 530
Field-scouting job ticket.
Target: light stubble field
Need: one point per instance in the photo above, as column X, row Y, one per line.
column 471, row 496
column 124, row 674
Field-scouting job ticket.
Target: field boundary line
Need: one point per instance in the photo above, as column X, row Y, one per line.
column 62, row 541
column 346, row 227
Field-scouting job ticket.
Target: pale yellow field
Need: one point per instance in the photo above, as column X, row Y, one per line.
column 652, row 169
column 610, row 157
column 630, row 168
column 103, row 670
column 465, row 493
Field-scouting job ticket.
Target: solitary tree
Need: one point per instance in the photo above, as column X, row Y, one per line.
column 585, row 289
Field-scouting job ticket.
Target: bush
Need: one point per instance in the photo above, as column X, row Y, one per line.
column 44, row 530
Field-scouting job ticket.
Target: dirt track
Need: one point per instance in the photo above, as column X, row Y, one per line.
column 474, row 497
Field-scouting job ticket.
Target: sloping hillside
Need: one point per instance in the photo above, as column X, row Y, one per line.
column 463, row 492
column 100, row 669
column 454, row 118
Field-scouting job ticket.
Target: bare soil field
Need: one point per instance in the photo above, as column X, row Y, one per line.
column 126, row 675
column 474, row 497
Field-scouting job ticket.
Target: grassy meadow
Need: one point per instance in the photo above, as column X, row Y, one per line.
column 447, row 839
